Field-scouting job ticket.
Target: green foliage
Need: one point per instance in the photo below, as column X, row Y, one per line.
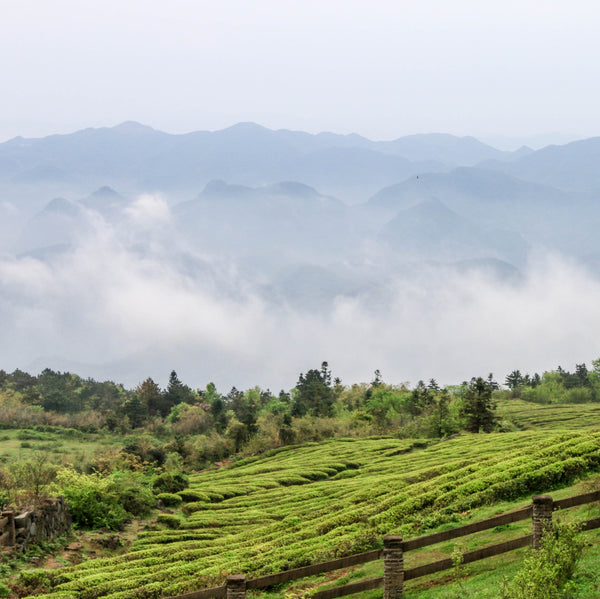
column 147, row 449
column 314, row 393
column 35, row 474
column 546, row 573
column 96, row 501
column 478, row 405
column 251, row 520
column 170, row 482
column 188, row 496
column 384, row 404
column 169, row 499
column 169, row 520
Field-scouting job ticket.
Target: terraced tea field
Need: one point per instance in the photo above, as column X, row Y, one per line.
column 551, row 417
column 299, row 505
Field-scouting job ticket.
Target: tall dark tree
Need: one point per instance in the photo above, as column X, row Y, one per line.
column 478, row 404
column 150, row 396
column 314, row 393
column 134, row 410
column 514, row 380
column 440, row 415
column 245, row 409
column 176, row 393
column 581, row 376
column 421, row 398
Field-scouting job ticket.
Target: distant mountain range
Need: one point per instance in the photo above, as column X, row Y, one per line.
column 137, row 158
column 284, row 202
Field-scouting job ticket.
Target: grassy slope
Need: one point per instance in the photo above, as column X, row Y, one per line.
column 62, row 445
column 305, row 504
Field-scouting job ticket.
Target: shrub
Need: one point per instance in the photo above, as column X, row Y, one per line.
column 188, row 495
column 169, row 499
column 169, row 520
column 96, row 501
column 170, row 483
column 546, row 572
column 147, row 450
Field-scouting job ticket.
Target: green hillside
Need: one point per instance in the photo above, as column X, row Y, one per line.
column 303, row 504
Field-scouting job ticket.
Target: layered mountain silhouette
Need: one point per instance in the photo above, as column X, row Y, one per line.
column 136, row 158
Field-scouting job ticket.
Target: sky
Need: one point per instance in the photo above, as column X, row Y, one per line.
column 385, row 68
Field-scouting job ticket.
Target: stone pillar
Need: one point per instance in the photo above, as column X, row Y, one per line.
column 393, row 567
column 236, row 586
column 11, row 540
column 542, row 517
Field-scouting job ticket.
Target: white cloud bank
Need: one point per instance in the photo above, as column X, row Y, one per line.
column 131, row 302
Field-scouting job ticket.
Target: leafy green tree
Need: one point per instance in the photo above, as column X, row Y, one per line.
column 384, row 404
column 218, row 407
column 286, row 433
column 478, row 404
column 35, row 474
column 441, row 422
column 245, row 409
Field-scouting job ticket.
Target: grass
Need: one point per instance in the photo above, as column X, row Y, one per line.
column 63, row 445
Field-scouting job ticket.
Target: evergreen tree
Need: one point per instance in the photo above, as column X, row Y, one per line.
column 514, row 380
column 134, row 410
column 314, row 394
column 150, row 396
column 478, row 405
column 175, row 393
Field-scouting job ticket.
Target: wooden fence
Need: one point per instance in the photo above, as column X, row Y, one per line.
column 394, row 547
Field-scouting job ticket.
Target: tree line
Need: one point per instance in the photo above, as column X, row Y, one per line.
column 205, row 425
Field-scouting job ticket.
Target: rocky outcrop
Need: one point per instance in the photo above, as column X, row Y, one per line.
column 49, row 520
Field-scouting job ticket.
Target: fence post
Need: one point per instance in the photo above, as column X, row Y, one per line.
column 393, row 567
column 236, row 586
column 542, row 517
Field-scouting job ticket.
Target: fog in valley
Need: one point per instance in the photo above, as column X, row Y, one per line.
column 247, row 255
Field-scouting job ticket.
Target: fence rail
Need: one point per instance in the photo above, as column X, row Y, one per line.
column 540, row 511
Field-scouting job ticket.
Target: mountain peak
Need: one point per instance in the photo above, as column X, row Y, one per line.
column 132, row 127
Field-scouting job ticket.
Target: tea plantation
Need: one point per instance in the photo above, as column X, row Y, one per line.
column 302, row 504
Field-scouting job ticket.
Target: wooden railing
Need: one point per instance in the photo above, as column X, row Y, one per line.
column 394, row 547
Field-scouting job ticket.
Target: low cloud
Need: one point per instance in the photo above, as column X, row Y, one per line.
column 115, row 306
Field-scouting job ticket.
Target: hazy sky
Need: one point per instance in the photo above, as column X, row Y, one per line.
column 383, row 68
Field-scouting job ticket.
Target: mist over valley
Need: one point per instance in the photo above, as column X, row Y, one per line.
column 246, row 255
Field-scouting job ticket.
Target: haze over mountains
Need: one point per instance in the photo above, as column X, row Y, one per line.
column 128, row 251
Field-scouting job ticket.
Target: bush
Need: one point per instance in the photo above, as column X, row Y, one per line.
column 147, row 450
column 169, row 499
column 169, row 520
column 189, row 495
column 105, row 502
column 170, row 483
column 546, row 573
